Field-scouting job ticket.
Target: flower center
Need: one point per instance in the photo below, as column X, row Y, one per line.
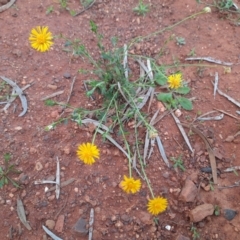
column 41, row 39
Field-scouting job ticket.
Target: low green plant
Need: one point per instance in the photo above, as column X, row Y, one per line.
column 5, row 91
column 211, row 185
column 86, row 3
column 195, row 233
column 224, row 4
column 49, row 10
column 192, row 53
column 122, row 97
column 141, row 8
column 63, row 3
column 176, row 89
column 180, row 41
column 178, row 163
column 7, row 170
column 216, row 210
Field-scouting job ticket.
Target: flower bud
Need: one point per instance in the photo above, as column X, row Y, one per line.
column 207, row 10
column 153, row 133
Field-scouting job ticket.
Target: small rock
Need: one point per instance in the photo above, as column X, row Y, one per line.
column 51, row 198
column 38, row 166
column 189, row 191
column 119, row 224
column 18, row 128
column 206, row 188
column 229, row 214
column 67, row 75
column 97, row 209
column 16, row 52
column 59, row 223
column 125, row 218
column 113, row 218
column 51, row 86
column 181, row 237
column 145, row 217
column 2, row 201
column 33, row 150
column 54, row 114
column 13, row 190
column 23, row 179
column 193, row 177
column 67, row 150
column 166, row 174
column 178, row 113
column 200, row 212
column 23, row 194
column 80, row 227
column 50, row 224
column 217, row 153
column 161, row 107
column 172, row 215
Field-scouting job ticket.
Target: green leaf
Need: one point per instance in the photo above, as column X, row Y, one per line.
column 5, row 180
column 185, row 103
column 1, row 182
column 114, row 41
column 50, row 102
column 7, row 156
column 94, row 27
column 183, row 90
column 165, row 97
column 160, row 78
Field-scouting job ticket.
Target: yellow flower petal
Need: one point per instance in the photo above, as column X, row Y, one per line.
column 175, row 81
column 87, row 152
column 129, row 185
column 157, row 205
column 41, row 39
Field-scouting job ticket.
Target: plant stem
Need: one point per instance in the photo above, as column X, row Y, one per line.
column 149, row 127
column 164, row 29
column 125, row 140
column 141, row 163
column 106, row 111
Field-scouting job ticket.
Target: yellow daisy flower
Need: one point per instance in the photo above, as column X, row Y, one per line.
column 175, row 80
column 157, row 205
column 87, row 152
column 129, row 185
column 41, row 39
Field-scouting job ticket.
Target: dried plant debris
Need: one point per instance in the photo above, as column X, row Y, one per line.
column 97, row 124
column 209, row 149
column 228, row 97
column 149, row 141
column 58, row 179
column 232, row 169
column 125, row 61
column 22, row 215
column 52, row 235
column 208, row 59
column 226, row 113
column 91, row 221
column 162, row 151
column 215, row 84
column 16, row 91
column 216, row 118
column 52, row 95
column 181, row 129
column 63, row 184
column 57, row 182
column 231, row 138
column 114, row 143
